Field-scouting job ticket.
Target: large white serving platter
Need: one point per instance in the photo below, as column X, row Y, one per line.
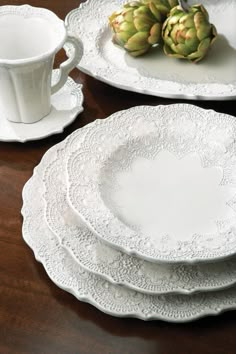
column 113, row 265
column 214, row 78
column 112, row 299
column 159, row 182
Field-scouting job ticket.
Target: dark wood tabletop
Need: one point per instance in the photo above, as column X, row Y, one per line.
column 38, row 317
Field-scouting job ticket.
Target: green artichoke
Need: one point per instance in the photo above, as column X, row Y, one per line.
column 188, row 34
column 164, row 6
column 137, row 26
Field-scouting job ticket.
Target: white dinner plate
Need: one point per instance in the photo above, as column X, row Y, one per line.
column 113, row 265
column 213, row 78
column 112, row 299
column 159, row 182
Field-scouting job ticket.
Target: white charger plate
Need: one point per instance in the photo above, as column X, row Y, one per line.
column 214, row 78
column 113, row 265
column 66, row 105
column 112, row 299
column 159, row 182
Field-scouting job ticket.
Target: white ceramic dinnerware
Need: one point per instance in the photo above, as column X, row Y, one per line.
column 113, row 265
column 159, row 182
column 66, row 104
column 136, row 213
column 112, row 299
column 30, row 37
column 214, row 78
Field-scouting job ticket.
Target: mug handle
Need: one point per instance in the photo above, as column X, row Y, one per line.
column 69, row 64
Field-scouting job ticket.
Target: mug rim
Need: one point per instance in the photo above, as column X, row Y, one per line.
column 26, row 11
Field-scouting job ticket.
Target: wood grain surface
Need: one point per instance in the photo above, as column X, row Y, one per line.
column 38, row 317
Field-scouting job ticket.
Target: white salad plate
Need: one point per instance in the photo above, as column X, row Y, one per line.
column 112, row 299
column 159, row 182
column 213, row 78
column 66, row 105
column 113, row 265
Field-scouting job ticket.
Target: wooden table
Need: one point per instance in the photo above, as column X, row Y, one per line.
column 35, row 315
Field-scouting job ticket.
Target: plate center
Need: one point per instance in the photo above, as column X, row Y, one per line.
column 167, row 196
column 217, row 67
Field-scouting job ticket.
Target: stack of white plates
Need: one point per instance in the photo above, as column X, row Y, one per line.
column 136, row 213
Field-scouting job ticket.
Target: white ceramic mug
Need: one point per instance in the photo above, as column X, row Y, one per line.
column 29, row 39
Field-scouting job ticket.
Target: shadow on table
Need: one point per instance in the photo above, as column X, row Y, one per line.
column 153, row 336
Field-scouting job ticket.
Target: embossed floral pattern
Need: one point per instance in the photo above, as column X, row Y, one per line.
column 127, row 77
column 109, row 298
column 116, row 266
column 102, row 160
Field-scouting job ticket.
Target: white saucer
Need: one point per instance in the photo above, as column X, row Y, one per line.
column 66, row 105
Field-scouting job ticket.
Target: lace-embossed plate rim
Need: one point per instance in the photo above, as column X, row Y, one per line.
column 154, row 74
column 113, row 300
column 113, row 265
column 190, row 151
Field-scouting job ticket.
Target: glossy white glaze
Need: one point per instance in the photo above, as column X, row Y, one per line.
column 30, row 37
column 154, row 74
